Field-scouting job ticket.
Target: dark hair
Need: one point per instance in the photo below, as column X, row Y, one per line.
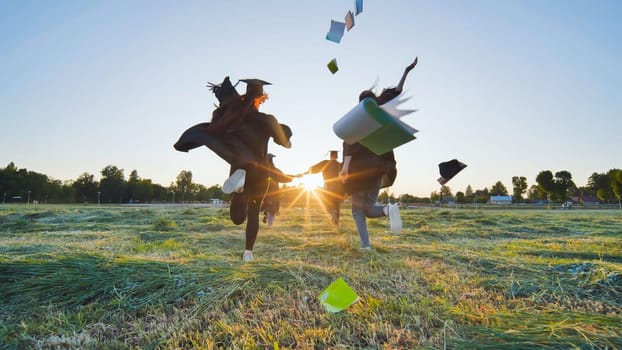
column 365, row 94
column 223, row 90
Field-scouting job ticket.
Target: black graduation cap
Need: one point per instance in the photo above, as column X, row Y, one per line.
column 254, row 87
column 449, row 169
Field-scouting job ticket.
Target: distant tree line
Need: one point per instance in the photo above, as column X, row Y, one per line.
column 22, row 185
column 606, row 188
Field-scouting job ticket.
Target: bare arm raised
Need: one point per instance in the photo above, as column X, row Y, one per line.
column 391, row 93
column 410, row 67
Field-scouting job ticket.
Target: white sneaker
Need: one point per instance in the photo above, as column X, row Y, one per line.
column 248, row 256
column 235, row 182
column 394, row 218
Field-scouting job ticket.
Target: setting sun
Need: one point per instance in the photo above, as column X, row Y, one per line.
column 311, row 181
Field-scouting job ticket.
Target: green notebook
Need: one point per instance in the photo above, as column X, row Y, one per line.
column 332, row 66
column 374, row 128
column 338, row 296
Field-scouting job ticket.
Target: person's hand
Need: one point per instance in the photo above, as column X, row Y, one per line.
column 343, row 175
column 412, row 65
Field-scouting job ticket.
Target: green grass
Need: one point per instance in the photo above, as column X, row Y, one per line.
column 166, row 277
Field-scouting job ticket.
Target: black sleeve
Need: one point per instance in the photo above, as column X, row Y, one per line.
column 318, row 168
column 353, row 149
column 387, row 95
column 279, row 176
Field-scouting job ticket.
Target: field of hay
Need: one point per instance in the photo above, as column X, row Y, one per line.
column 171, row 277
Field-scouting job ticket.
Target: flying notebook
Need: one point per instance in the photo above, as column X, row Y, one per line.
column 332, row 66
column 336, row 31
column 373, row 127
column 359, row 6
column 349, row 20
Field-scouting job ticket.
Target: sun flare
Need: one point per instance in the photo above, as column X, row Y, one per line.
column 311, row 181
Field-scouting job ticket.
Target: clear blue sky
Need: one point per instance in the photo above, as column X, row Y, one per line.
column 508, row 87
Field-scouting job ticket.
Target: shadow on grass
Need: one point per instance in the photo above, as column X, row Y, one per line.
column 77, row 280
column 575, row 255
column 556, row 331
column 80, row 279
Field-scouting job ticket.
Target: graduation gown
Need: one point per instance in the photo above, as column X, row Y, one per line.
column 246, row 143
column 368, row 170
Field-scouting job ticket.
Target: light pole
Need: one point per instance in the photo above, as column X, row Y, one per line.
column 98, row 194
column 173, row 200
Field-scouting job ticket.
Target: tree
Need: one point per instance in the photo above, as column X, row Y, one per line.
column 146, row 190
column 435, row 196
column 28, row 185
column 55, row 192
column 135, row 187
column 519, row 184
column 601, row 185
column 499, row 189
column 535, row 193
column 615, row 176
column 35, row 182
column 159, row 193
column 8, row 178
column 392, row 198
column 407, row 198
column 216, row 192
column 68, row 193
column 410, row 199
column 563, row 185
column 468, row 194
column 446, row 194
column 183, row 184
column 85, row 188
column 112, row 185
column 481, row 196
column 383, row 197
column 582, row 192
column 546, row 184
column 139, row 190
column 460, row 197
column 133, row 184
column 207, row 194
column 557, row 188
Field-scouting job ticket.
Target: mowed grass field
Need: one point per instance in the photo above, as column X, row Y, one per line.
column 172, row 277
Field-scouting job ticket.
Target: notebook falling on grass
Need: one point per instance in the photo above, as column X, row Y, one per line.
column 338, row 296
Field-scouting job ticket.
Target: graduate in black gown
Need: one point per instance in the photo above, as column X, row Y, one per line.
column 364, row 173
column 332, row 195
column 239, row 134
